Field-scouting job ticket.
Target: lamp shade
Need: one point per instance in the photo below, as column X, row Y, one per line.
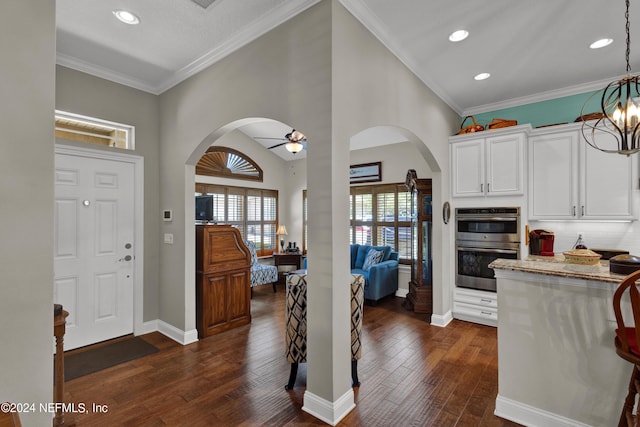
column 282, row 231
column 294, row 147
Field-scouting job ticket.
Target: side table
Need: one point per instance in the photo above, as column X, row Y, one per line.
column 286, row 259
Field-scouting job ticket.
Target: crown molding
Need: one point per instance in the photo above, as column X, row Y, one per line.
column 260, row 27
column 542, row 96
column 267, row 23
column 104, row 73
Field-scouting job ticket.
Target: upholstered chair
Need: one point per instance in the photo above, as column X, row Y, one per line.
column 296, row 324
column 261, row 274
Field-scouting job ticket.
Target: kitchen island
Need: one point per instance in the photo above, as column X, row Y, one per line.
column 557, row 364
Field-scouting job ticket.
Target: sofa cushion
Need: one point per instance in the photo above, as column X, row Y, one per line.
column 363, row 250
column 373, row 257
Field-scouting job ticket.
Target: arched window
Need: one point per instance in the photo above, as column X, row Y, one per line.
column 228, row 163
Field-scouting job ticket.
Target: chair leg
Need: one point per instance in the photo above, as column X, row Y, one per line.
column 292, row 376
column 354, row 374
column 274, row 286
column 626, row 417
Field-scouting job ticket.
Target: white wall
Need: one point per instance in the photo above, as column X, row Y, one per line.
column 26, row 197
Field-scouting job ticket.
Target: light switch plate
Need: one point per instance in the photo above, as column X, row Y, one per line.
column 168, row 238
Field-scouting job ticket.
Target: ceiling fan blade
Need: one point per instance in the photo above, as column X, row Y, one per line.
column 266, row 137
column 277, row 145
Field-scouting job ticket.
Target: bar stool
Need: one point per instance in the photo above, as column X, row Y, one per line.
column 626, row 342
column 296, row 324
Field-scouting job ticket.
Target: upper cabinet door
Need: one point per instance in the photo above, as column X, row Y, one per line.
column 505, row 165
column 467, row 168
column 607, row 180
column 553, row 176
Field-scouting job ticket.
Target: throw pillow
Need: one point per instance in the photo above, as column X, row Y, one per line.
column 373, row 257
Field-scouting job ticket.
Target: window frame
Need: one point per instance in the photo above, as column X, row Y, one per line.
column 267, row 227
column 372, row 220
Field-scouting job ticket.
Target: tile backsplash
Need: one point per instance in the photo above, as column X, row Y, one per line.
column 604, row 235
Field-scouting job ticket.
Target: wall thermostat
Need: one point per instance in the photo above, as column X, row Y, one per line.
column 167, row 215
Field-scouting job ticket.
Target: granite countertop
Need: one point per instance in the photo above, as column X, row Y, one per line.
column 556, row 266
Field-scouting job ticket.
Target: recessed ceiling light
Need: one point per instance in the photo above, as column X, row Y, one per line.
column 458, row 36
column 600, row 43
column 126, row 17
column 482, row 76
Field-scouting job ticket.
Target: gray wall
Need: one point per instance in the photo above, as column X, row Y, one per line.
column 91, row 96
column 371, row 87
column 27, row 49
column 283, row 75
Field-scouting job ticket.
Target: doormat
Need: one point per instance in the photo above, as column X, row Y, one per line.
column 105, row 356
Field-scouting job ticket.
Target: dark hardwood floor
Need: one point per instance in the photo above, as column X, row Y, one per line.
column 412, row 374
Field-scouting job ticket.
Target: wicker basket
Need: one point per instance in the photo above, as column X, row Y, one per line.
column 475, row 127
column 582, row 257
column 590, row 116
column 498, row 123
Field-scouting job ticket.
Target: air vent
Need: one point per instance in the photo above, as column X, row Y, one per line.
column 203, row 3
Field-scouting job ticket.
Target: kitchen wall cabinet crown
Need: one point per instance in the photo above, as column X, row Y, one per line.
column 490, row 163
column 569, row 180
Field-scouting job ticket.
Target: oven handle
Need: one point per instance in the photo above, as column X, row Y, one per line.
column 499, row 251
column 485, row 218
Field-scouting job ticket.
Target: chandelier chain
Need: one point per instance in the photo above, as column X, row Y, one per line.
column 626, row 15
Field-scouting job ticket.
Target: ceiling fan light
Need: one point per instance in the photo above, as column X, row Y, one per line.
column 293, row 147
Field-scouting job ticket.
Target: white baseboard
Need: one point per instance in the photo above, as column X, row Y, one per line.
column 442, row 320
column 176, row 334
column 531, row 416
column 147, row 327
column 402, row 293
column 329, row 412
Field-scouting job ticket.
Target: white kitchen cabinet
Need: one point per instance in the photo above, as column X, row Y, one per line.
column 568, row 179
column 488, row 165
column 475, row 306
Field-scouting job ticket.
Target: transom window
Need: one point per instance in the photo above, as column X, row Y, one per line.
column 252, row 211
column 74, row 127
column 226, row 162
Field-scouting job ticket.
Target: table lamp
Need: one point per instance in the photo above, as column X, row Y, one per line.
column 282, row 231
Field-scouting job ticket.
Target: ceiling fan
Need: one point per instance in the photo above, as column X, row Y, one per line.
column 292, row 141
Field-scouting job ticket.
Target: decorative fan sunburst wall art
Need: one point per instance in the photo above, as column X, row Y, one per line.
column 229, row 163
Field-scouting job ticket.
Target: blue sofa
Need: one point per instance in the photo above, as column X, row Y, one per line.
column 382, row 278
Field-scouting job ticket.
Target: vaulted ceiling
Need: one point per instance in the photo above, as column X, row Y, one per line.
column 534, row 50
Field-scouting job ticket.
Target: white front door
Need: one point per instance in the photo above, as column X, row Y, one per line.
column 94, row 247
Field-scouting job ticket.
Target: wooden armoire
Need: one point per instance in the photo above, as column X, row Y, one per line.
column 223, row 279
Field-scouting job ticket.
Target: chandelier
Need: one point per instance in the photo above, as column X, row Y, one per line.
column 619, row 114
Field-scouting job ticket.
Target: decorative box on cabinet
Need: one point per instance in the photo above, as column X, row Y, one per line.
column 570, row 180
column 489, row 163
column 223, row 281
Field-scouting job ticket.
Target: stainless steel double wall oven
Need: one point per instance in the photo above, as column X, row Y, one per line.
column 482, row 235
